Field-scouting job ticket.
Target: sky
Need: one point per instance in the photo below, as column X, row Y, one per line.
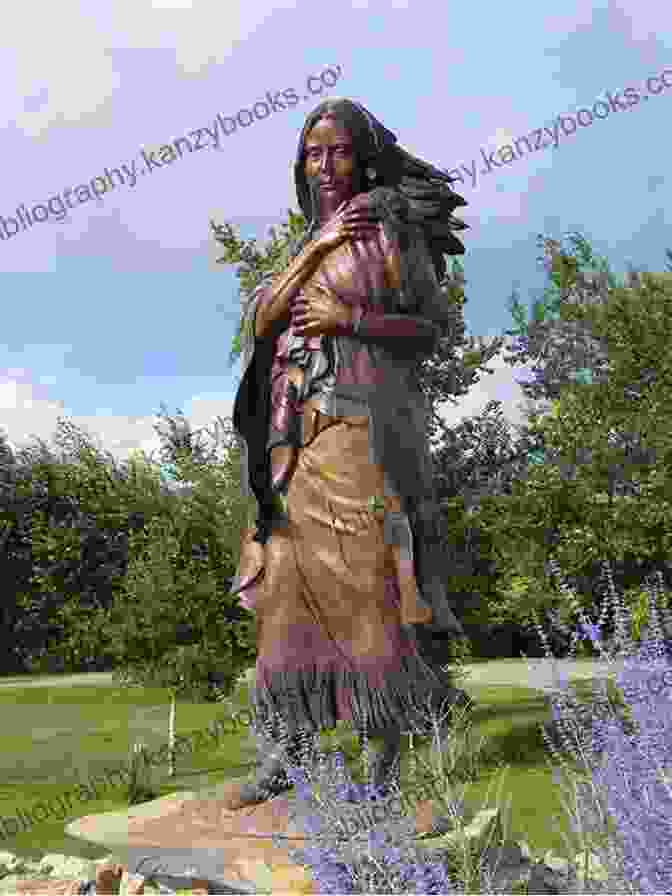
column 115, row 307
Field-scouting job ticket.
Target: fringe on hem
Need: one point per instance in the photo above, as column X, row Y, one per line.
column 305, row 699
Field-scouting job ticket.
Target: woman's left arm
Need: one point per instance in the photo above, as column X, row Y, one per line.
column 404, row 335
column 407, row 335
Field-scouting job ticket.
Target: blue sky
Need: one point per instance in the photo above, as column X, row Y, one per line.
column 119, row 307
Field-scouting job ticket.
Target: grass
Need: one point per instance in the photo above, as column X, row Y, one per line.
column 54, row 738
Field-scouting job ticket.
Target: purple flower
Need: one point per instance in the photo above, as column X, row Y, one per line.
column 630, row 773
column 526, row 376
column 592, row 631
column 636, row 796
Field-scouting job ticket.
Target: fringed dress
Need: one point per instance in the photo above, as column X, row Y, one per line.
column 354, row 574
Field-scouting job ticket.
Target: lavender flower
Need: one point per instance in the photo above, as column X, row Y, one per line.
column 631, row 776
column 592, row 631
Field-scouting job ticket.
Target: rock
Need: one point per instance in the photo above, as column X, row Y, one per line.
column 110, row 829
column 222, row 846
column 40, row 887
column 53, row 874
column 10, row 864
column 485, row 825
column 53, row 865
column 57, row 865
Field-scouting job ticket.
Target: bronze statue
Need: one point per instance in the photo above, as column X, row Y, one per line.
column 344, row 567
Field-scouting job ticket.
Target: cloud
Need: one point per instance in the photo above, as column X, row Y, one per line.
column 498, row 386
column 28, row 413
column 60, row 55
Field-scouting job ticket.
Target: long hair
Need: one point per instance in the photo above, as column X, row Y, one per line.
column 405, row 188
column 409, row 193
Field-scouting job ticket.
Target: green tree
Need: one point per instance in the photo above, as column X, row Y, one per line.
column 33, row 492
column 602, row 492
column 21, row 635
column 82, row 512
column 216, row 637
column 79, row 539
column 173, row 623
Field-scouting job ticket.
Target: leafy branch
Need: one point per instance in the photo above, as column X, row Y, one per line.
column 254, row 264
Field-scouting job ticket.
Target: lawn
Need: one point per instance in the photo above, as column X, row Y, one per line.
column 55, row 738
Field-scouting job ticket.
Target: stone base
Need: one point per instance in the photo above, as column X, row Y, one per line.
column 168, row 838
column 229, row 848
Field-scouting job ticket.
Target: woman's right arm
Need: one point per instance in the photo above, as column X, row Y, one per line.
column 348, row 223
column 273, row 314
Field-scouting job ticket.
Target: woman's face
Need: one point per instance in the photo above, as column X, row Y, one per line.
column 329, row 157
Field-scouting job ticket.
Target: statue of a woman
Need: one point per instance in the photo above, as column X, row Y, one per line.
column 345, row 568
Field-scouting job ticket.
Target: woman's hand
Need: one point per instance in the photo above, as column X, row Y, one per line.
column 359, row 222
column 320, row 314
